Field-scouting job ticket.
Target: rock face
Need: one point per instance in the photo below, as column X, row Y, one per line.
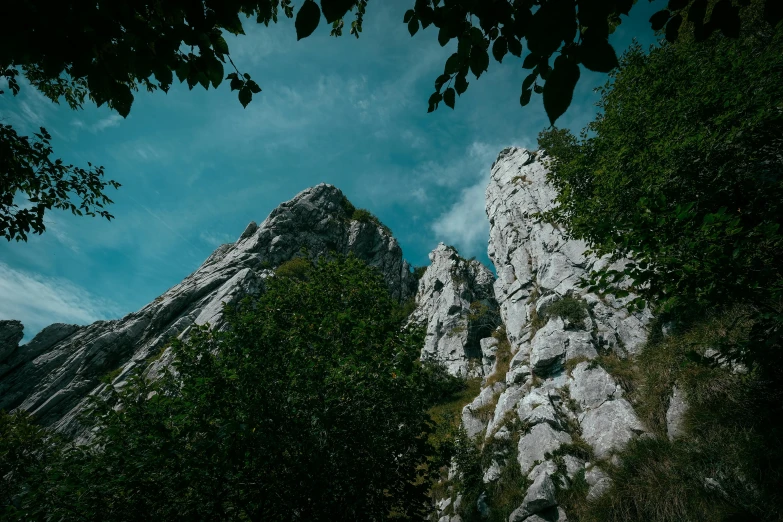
column 556, row 396
column 447, row 289
column 51, row 376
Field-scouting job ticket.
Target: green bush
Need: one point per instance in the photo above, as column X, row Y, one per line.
column 569, row 309
column 296, row 268
column 311, row 406
column 682, row 173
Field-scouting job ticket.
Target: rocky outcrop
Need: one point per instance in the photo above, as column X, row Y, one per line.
column 11, row 332
column 555, row 398
column 53, row 374
column 456, row 303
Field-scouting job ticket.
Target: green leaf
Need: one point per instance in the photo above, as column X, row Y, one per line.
column 479, row 60
column 253, row 86
column 552, row 24
column 219, row 45
column 773, row 12
column 461, row 83
column 335, row 9
column 408, row 16
column 215, row 72
column 528, row 81
column 236, row 83
column 673, row 28
column 515, row 47
column 434, row 100
column 448, row 97
column 500, row 48
column 463, row 47
column 659, row 19
column 525, row 98
column 306, row 19
column 452, row 64
column 531, row 60
column 413, row 26
column 245, row 95
column 183, row 71
column 597, row 55
column 440, row 80
column 559, row 87
column 121, row 99
column 443, row 36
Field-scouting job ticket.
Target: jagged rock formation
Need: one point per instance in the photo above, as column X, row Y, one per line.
column 448, row 289
column 53, row 374
column 549, row 397
column 554, row 395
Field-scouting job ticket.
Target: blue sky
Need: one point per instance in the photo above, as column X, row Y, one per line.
column 196, row 167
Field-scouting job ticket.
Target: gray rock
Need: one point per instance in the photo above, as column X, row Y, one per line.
column 536, row 407
column 493, row 473
column 11, row 332
column 475, row 415
column 446, row 290
column 553, row 514
column 675, row 414
column 598, row 481
column 544, row 468
column 573, row 465
column 540, row 495
column 541, row 439
column 506, row 402
column 592, row 386
column 548, row 348
column 518, row 375
column 53, row 374
column 489, row 347
column 609, row 427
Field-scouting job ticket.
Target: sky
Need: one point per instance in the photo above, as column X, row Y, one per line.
column 196, row 167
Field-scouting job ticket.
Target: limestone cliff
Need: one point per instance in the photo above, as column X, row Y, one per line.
column 456, row 303
column 553, row 394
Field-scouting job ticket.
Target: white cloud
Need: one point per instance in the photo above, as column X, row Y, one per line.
column 38, row 301
column 465, row 224
column 216, row 238
column 112, row 120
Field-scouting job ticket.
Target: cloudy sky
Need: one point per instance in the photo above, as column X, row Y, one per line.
column 196, row 167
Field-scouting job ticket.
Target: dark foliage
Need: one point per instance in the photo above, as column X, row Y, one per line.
column 312, row 406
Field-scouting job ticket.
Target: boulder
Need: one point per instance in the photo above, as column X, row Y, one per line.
column 590, row 386
column 609, row 427
column 675, row 414
column 541, row 439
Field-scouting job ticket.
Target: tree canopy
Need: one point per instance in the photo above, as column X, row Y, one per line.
column 311, row 405
column 682, row 173
column 104, row 51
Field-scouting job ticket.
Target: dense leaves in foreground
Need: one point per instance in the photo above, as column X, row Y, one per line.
column 682, row 173
column 312, row 406
column 105, row 50
column 27, row 169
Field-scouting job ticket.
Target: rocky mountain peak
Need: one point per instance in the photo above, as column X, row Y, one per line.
column 51, row 375
column 456, row 302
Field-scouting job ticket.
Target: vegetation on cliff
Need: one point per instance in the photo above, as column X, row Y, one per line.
column 311, row 406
